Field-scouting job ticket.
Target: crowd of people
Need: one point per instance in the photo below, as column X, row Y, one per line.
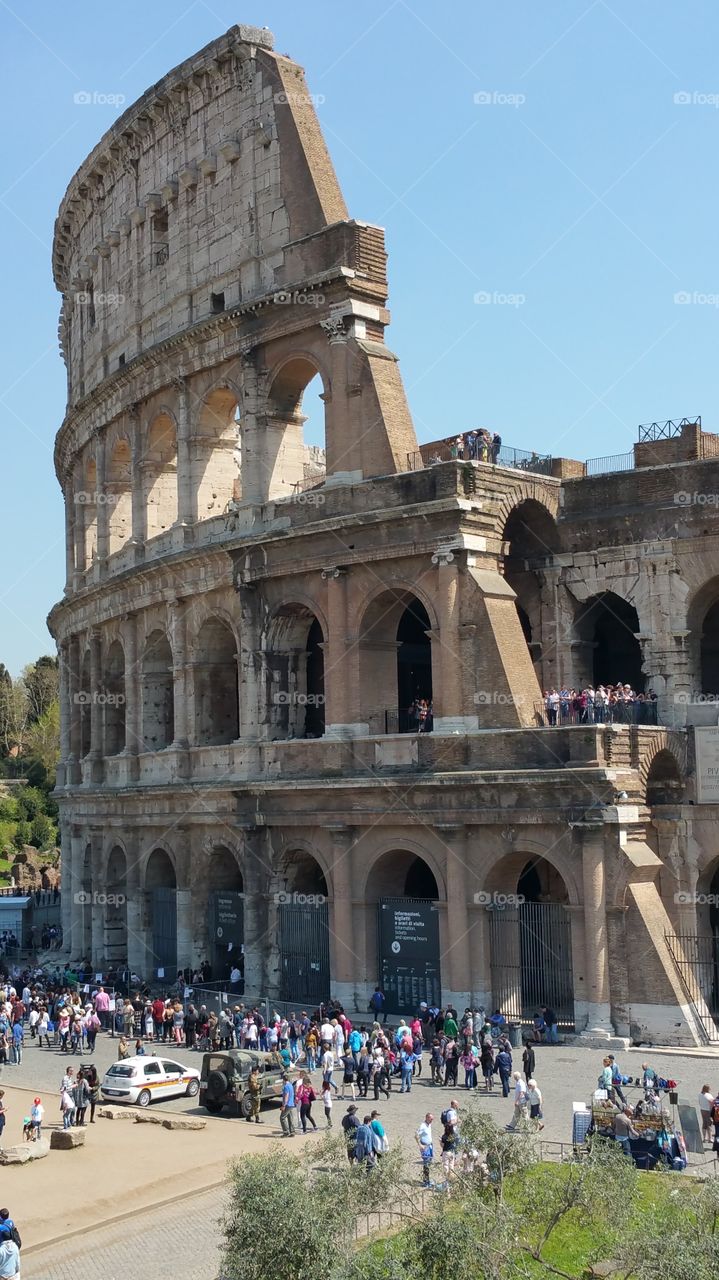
column 476, row 446
column 605, row 704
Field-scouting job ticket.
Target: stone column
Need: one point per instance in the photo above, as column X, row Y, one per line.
column 177, row 627
column 70, row 520
column 136, row 930
column 97, row 749
column 253, row 713
column 457, row 944
column 184, row 901
column 133, row 693
column 252, row 429
column 78, row 481
column 139, row 513
column 98, row 907
column 343, row 451
column 64, row 709
column 257, row 916
column 337, row 723
column 450, row 715
column 72, row 769
column 101, row 505
column 66, row 883
column 345, row 967
column 186, row 490
column 72, row 888
column 595, row 931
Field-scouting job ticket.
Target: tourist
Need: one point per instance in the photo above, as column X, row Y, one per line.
column 617, row 1078
column 327, row 1104
column 93, row 1084
column 9, row 1258
column 624, row 1129
column 381, row 1141
column 67, row 1108
column 706, row 1101
column 81, row 1097
column 520, row 1101
column 487, row 1061
column 3, row 1114
column 469, row 1064
column 364, row 1144
column 18, row 1035
column 551, row 1024
column 448, row 1143
column 37, row 1113
column 534, row 1099
column 287, row 1110
column 528, row 1059
column 503, row 1066
column 123, row 1049
column 350, row 1125
column 605, row 1078
column 306, row 1095
column 348, row 1075
column 406, row 1063
column 423, row 1138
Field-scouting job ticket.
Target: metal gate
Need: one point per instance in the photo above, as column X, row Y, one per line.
column 304, row 952
column 696, row 959
column 164, row 931
column 531, row 950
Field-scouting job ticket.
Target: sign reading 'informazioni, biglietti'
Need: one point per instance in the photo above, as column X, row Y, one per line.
column 409, row 953
column 706, row 741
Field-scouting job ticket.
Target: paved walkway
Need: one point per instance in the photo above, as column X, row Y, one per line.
column 180, row 1239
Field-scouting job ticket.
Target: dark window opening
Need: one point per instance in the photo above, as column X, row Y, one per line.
column 420, row 881
column 121, row 360
column 217, row 302
column 160, row 237
column 414, row 656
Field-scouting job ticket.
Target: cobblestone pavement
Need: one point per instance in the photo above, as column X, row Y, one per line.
column 179, row 1240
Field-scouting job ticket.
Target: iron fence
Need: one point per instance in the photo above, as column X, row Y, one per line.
column 450, row 450
column 566, row 712
column 613, row 462
column 696, row 960
column 666, row 430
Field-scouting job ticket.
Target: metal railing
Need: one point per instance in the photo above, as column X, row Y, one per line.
column 567, row 712
column 666, row 430
column 696, row 960
column 614, row 462
column 504, row 456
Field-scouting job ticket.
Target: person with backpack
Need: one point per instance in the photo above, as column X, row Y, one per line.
column 377, row 1005
column 9, row 1258
column 8, row 1230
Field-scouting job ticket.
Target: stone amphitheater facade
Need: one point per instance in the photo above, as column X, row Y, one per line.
column 246, row 618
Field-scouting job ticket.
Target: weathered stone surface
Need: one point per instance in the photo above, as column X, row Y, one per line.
column 23, row 1153
column 67, row 1139
column 146, row 1117
column 116, row 1113
column 183, row 1122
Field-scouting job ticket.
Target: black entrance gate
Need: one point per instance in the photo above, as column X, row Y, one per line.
column 408, row 936
column 304, row 952
column 531, row 950
column 164, row 931
column 226, row 921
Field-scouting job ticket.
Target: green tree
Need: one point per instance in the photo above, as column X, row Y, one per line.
column 42, row 832
column 41, row 680
column 22, row 835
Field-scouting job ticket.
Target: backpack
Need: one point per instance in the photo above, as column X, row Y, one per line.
column 15, row 1237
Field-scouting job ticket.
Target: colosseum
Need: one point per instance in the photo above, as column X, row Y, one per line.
column 304, row 724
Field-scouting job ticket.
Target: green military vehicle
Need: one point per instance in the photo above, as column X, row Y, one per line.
column 225, row 1072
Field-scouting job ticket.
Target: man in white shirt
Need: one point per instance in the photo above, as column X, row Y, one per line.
column 338, row 1039
column 328, row 1066
column 520, row 1100
column 327, row 1031
column 423, row 1138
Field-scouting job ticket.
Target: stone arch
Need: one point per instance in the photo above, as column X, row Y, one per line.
column 217, row 462
column 160, row 881
column 663, row 782
column 529, row 537
column 119, row 494
column 388, row 871
column 535, row 492
column 290, row 463
column 606, row 645
column 158, row 692
column 299, row 869
column 114, row 699
column 159, row 474
column 703, row 626
column 116, row 906
column 504, row 871
column 225, row 909
column 395, row 657
column 294, row 666
column 217, row 705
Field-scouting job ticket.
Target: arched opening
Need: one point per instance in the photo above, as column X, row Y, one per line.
column 608, row 651
column 405, row 889
column 217, row 457
column 225, row 915
column 114, row 700
column 709, row 651
column 295, row 438
column 530, row 537
column 159, row 468
column 530, row 940
column 217, row 714
column 664, row 780
column 158, row 693
column 119, row 496
column 89, row 513
column 161, row 888
column 294, row 663
column 85, row 701
column 116, row 909
column 303, row 929
column 396, row 664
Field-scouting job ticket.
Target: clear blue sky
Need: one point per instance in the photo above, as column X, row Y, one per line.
column 594, row 198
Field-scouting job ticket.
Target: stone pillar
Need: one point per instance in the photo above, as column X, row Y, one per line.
column 595, row 931
column 457, row 982
column 133, row 693
column 257, row 921
column 72, row 768
column 252, row 429
column 448, row 676
column 73, row 890
column 101, row 505
column 66, row 883
column 177, row 627
column 253, row 713
column 98, row 906
column 343, row 449
column 337, row 723
column 70, row 521
column 136, row 930
column 139, row 513
column 186, row 490
column 96, row 709
column 344, row 961
column 78, row 524
column 64, row 709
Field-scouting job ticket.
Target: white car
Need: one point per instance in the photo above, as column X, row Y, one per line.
column 140, row 1080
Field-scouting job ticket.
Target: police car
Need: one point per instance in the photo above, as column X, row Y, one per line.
column 141, row 1080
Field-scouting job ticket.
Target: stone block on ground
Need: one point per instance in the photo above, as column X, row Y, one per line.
column 115, row 1113
column 24, row 1152
column 184, row 1122
column 66, row 1139
column 146, row 1117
